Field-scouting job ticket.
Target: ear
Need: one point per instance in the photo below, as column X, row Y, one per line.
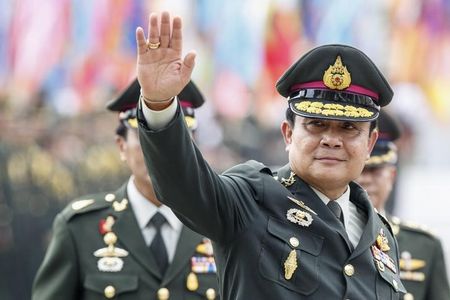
column 286, row 131
column 373, row 137
column 122, row 145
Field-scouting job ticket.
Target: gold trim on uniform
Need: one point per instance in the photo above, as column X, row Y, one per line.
column 299, row 217
column 289, row 181
column 332, row 109
column 192, row 282
column 337, row 77
column 120, row 206
column 391, row 157
column 302, row 205
column 80, row 204
column 290, row 265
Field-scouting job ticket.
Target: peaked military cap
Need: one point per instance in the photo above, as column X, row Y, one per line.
column 190, row 98
column 385, row 151
column 335, row 82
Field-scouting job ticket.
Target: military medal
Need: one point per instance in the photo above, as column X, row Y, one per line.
column 290, row 265
column 302, row 205
column 110, row 256
column 105, row 225
column 299, row 217
column 192, row 282
column 382, row 241
column 382, row 257
column 205, row 248
column 203, row 264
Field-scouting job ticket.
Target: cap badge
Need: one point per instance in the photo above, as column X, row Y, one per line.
column 337, row 77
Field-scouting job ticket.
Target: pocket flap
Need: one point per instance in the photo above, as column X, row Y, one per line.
column 121, row 282
column 310, row 242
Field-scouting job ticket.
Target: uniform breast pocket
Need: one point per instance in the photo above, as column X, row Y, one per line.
column 110, row 285
column 290, row 257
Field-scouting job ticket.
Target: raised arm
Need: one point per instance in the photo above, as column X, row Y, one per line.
column 162, row 73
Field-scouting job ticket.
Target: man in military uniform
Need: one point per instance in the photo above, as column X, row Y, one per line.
column 310, row 234
column 125, row 244
column 422, row 265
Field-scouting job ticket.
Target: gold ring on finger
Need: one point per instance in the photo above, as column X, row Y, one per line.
column 153, row 46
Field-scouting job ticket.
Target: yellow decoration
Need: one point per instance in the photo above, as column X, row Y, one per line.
column 383, row 243
column 331, row 109
column 190, row 122
column 192, row 282
column 290, row 265
column 133, row 122
column 391, row 156
column 337, row 77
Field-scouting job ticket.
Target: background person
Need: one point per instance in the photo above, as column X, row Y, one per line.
column 125, row 244
column 422, row 264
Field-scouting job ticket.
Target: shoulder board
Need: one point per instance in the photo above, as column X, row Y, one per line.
column 413, row 226
column 88, row 204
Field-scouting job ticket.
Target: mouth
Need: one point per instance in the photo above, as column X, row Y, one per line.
column 329, row 159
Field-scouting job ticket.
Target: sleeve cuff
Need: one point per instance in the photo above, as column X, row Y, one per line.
column 159, row 119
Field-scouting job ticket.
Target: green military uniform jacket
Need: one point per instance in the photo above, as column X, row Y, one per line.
column 70, row 269
column 266, row 245
column 422, row 264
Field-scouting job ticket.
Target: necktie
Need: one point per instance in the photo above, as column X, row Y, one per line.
column 157, row 246
column 336, row 210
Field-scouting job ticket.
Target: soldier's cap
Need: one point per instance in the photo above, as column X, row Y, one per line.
column 336, row 82
column 385, row 151
column 125, row 104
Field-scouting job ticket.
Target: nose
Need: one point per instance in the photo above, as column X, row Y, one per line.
column 331, row 140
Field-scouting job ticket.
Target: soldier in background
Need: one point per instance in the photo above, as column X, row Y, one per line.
column 125, row 244
column 422, row 265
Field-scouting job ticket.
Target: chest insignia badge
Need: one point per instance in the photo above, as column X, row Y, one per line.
column 290, row 265
column 299, row 217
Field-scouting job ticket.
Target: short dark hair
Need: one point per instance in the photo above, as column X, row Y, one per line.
column 290, row 117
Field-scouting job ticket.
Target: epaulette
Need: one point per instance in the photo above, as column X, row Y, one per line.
column 416, row 227
column 87, row 204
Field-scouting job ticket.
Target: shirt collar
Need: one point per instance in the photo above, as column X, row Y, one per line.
column 343, row 202
column 144, row 210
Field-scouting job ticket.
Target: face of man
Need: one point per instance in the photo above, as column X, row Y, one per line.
column 328, row 154
column 131, row 152
column 378, row 182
